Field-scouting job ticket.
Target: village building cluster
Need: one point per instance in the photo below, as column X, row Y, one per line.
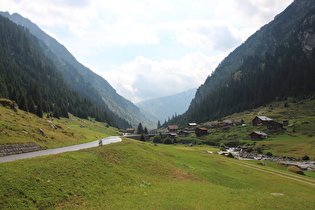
column 173, row 130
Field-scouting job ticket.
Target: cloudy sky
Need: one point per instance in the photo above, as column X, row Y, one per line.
column 149, row 48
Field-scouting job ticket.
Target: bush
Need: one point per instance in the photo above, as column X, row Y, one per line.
column 222, row 147
column 296, row 170
column 269, row 154
column 259, row 150
column 306, row 157
column 157, row 139
column 168, row 140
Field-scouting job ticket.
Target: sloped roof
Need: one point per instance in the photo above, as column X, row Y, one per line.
column 204, row 129
column 173, row 127
column 260, row 133
column 264, row 118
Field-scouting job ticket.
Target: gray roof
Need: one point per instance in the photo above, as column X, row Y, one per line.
column 263, row 118
column 260, row 133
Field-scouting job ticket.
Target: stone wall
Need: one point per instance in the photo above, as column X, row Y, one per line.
column 12, row 149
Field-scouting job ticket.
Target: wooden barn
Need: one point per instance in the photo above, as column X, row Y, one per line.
column 261, row 120
column 172, row 128
column 258, row 135
column 201, row 132
column 130, row 130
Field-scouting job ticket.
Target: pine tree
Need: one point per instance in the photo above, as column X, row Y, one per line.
column 39, row 111
column 159, row 124
column 140, row 129
column 31, row 106
column 145, row 130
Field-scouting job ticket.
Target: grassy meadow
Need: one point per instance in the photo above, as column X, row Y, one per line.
column 24, row 127
column 296, row 141
column 136, row 175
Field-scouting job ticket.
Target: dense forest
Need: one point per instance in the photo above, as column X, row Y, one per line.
column 30, row 79
column 276, row 62
column 81, row 79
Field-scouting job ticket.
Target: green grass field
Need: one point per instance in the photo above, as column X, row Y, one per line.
column 136, row 175
column 296, row 141
column 23, row 127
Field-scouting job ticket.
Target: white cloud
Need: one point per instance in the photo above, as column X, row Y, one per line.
column 199, row 33
column 144, row 78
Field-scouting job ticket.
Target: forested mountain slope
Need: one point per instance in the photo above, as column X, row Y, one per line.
column 81, row 78
column 31, row 79
column 276, row 62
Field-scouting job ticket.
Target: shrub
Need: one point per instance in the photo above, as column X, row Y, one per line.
column 296, row 170
column 157, row 139
column 259, row 150
column 269, row 154
column 222, row 147
column 168, row 140
column 306, row 157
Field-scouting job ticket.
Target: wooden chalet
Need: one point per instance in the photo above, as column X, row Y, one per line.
column 183, row 133
column 130, row 130
column 258, row 135
column 201, row 132
column 261, row 120
column 172, row 128
column 192, row 124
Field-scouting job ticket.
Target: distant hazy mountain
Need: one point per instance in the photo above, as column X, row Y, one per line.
column 164, row 107
column 81, row 78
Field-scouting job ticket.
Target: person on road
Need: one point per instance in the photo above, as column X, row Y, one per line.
column 100, row 142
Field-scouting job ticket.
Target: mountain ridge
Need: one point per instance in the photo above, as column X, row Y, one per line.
column 77, row 75
column 165, row 107
column 274, row 63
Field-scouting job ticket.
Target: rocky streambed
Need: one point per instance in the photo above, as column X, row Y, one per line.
column 289, row 161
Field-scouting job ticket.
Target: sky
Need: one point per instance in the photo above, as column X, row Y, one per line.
column 149, row 48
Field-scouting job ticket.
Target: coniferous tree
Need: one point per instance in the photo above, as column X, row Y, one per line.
column 140, row 129
column 31, row 106
column 145, row 131
column 39, row 111
column 159, row 124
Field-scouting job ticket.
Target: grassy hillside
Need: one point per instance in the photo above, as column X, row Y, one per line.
column 295, row 141
column 136, row 175
column 24, row 127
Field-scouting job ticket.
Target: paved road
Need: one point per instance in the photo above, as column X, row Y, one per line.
column 108, row 140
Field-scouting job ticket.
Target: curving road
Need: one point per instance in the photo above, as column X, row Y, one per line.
column 108, row 140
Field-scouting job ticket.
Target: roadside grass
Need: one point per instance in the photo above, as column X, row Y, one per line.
column 135, row 175
column 23, row 127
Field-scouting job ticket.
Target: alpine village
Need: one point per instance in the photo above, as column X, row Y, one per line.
column 246, row 141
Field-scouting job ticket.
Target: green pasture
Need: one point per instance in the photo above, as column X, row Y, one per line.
column 24, row 127
column 137, row 175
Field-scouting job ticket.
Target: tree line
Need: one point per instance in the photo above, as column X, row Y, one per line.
column 31, row 80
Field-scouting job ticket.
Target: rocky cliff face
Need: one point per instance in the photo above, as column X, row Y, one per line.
column 307, row 36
